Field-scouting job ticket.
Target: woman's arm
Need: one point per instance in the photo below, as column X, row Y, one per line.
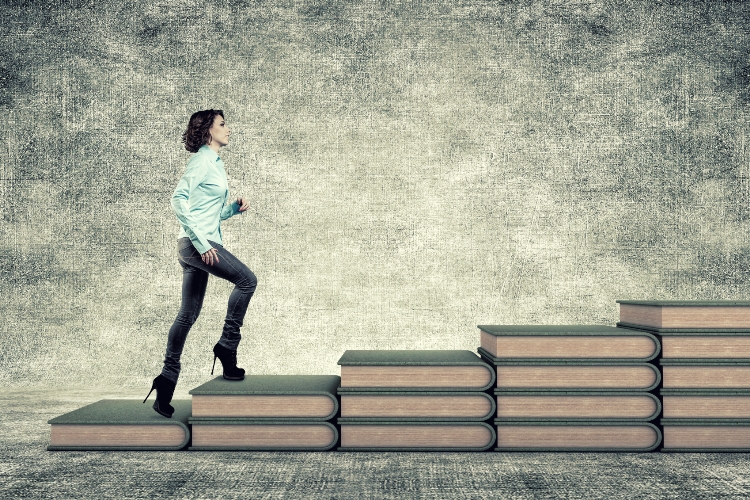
column 230, row 210
column 193, row 176
column 234, row 208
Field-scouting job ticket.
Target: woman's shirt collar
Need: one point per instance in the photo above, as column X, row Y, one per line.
column 210, row 152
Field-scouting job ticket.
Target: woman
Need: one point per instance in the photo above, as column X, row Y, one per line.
column 199, row 203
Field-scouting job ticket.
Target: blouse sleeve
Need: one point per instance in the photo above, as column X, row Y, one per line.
column 191, row 179
column 230, row 210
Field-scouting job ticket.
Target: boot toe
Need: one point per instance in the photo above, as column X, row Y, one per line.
column 166, row 411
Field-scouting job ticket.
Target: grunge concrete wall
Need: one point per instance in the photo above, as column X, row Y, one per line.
column 415, row 169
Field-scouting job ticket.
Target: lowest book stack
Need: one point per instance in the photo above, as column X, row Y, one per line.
column 265, row 412
column 573, row 387
column 120, row 424
column 705, row 366
column 415, row 401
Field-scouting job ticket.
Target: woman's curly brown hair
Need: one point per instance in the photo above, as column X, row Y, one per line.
column 197, row 133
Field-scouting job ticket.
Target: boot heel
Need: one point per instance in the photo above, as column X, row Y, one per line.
column 153, row 386
column 212, row 368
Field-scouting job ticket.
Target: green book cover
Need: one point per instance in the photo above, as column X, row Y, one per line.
column 397, row 393
column 271, row 385
column 400, row 423
column 409, row 358
column 701, row 404
column 556, row 362
column 684, row 331
column 743, row 424
column 686, row 303
column 265, row 422
column 704, row 362
column 502, row 423
column 734, row 422
column 496, row 361
column 124, row 412
column 705, row 392
column 549, row 330
column 553, row 394
column 414, row 358
column 564, row 331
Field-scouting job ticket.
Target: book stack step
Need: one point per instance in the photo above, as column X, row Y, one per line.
column 573, row 387
column 120, row 424
column 705, row 365
column 686, row 316
column 266, row 412
column 414, row 400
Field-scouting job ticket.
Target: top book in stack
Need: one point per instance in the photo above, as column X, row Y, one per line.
column 685, row 316
column 434, row 370
column 565, row 343
column 310, row 397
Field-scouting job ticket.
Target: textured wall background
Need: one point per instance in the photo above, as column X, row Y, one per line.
column 416, row 169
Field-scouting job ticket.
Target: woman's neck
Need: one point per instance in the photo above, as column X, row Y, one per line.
column 215, row 147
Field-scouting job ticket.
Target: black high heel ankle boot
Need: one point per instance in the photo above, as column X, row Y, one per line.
column 228, row 360
column 164, row 392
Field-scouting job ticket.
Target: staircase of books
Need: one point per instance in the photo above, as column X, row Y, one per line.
column 671, row 376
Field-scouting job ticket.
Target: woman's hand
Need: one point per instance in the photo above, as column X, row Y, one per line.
column 244, row 204
column 210, row 257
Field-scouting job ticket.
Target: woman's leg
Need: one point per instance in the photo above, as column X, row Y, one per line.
column 231, row 269
column 194, row 281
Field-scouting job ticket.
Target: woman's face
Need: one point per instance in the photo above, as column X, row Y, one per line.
column 219, row 131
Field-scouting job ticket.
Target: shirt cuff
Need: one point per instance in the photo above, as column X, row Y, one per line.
column 201, row 244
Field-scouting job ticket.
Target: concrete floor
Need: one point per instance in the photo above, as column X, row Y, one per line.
column 28, row 470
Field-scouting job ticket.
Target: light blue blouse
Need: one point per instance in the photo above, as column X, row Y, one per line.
column 200, row 197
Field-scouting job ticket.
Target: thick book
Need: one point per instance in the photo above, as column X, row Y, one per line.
column 581, row 376
column 120, row 424
column 395, row 435
column 379, row 370
column 705, row 403
column 708, row 345
column 590, row 406
column 310, row 397
column 576, row 343
column 706, row 435
column 664, row 316
column 576, row 436
column 704, row 374
column 244, row 434
column 408, row 405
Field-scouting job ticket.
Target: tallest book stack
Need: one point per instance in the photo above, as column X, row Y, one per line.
column 573, row 387
column 705, row 366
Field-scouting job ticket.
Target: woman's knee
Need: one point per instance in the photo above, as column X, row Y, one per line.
column 249, row 281
column 188, row 316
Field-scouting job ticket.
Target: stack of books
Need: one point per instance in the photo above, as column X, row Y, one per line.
column 120, row 424
column 266, row 412
column 705, row 366
column 573, row 387
column 415, row 401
